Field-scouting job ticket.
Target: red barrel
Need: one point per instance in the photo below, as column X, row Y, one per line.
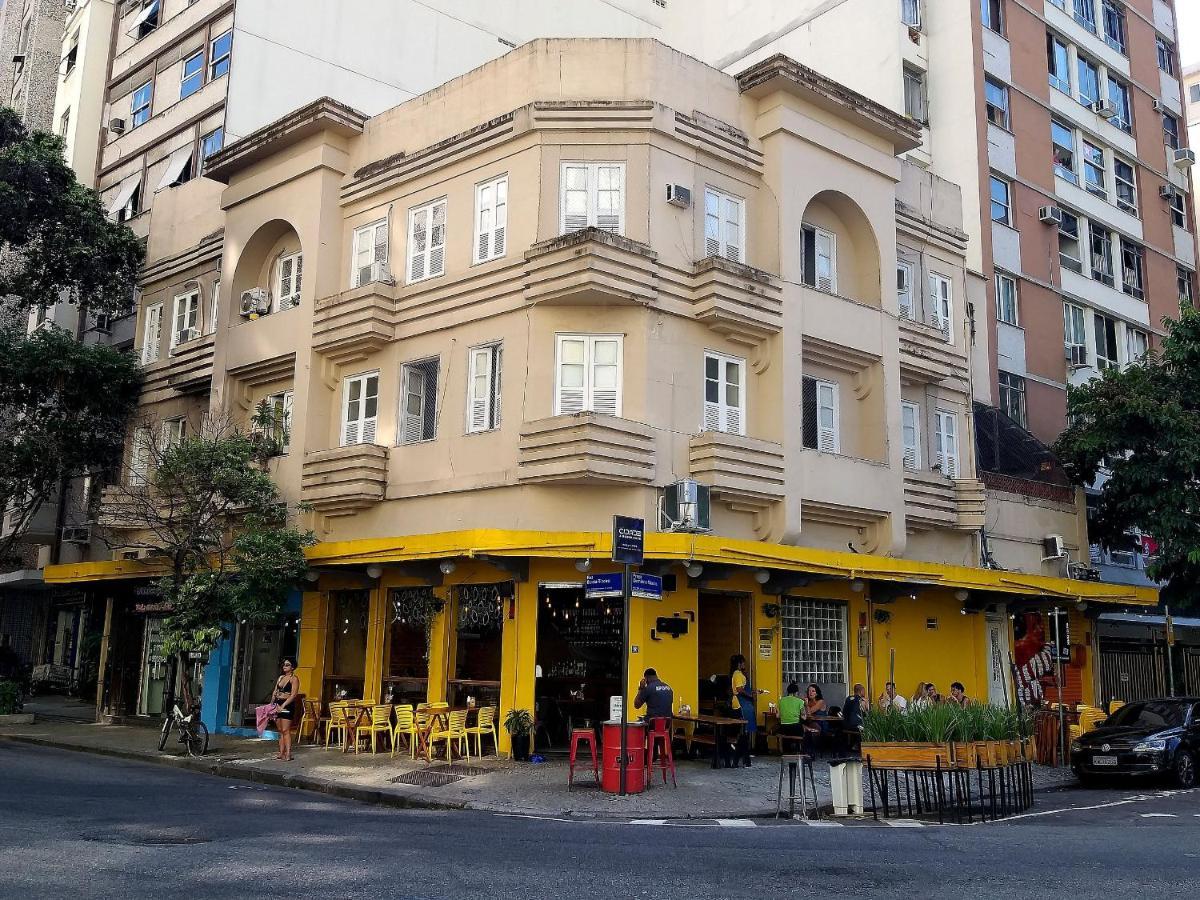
column 635, row 773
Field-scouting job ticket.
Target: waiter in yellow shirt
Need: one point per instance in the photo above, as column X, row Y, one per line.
column 742, row 700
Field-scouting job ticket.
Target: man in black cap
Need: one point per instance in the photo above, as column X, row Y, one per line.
column 656, row 695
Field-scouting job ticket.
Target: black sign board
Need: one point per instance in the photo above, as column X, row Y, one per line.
column 628, row 540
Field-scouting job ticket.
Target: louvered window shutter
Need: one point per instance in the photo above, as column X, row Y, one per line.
column 904, row 298
column 733, row 229
column 712, row 223
column 290, row 275
column 286, row 421
column 418, row 244
column 352, row 414
column 575, row 197
column 826, row 262
column 497, row 367
column 152, row 340
column 940, row 304
column 734, row 392
column 437, row 240
column 481, row 389
column 500, row 219
column 414, row 404
column 484, row 218
column 808, row 412
column 712, row 393
column 571, row 393
column 609, row 199
column 947, row 444
column 827, row 413
column 910, row 431
column 606, row 376
column 370, row 408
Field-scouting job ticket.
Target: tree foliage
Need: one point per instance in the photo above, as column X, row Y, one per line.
column 1139, row 430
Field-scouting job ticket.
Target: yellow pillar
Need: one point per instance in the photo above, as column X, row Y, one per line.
column 314, row 637
column 378, row 622
column 440, row 649
column 519, row 648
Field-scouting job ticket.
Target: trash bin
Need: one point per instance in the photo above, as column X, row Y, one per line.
column 635, row 773
column 845, row 783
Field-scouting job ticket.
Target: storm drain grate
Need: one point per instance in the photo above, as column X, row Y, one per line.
column 427, row 778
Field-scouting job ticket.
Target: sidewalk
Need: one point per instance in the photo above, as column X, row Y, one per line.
column 496, row 785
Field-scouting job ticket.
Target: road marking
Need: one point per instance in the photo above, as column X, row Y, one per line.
column 904, row 823
column 1159, row 816
column 648, row 822
column 735, row 823
column 822, row 823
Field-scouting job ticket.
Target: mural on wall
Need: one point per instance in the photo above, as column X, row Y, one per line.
column 1033, row 657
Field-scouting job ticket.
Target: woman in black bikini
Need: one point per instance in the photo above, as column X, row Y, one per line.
column 287, row 689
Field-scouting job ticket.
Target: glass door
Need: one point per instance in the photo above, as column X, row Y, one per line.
column 154, row 669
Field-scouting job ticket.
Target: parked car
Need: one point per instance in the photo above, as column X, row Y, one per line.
column 1150, row 737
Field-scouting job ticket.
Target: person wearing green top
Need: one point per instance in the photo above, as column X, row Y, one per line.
column 791, row 713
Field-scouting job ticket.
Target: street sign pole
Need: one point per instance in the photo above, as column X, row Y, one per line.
column 625, row 583
column 1170, row 638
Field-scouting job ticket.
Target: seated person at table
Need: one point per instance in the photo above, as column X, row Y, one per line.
column 656, row 695
column 852, row 712
column 889, row 699
column 814, row 705
column 791, row 712
column 958, row 695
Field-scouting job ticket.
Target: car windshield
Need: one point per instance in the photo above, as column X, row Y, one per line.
column 1157, row 714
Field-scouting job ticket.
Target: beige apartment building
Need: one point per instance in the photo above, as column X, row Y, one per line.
column 562, row 287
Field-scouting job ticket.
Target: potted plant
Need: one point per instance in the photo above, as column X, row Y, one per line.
column 916, row 739
column 519, row 725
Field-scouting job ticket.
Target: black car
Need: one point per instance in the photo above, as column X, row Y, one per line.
column 1149, row 737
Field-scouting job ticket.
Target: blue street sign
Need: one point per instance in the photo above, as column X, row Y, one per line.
column 648, row 587
column 606, row 585
column 628, row 540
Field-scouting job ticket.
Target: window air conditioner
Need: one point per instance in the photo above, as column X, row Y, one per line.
column 686, row 506
column 1185, row 158
column 116, row 126
column 1077, row 356
column 76, row 534
column 678, row 195
column 1159, row 106
column 187, row 334
column 1051, row 215
column 1104, row 108
column 381, row 273
column 1166, row 191
column 1052, row 547
column 256, row 301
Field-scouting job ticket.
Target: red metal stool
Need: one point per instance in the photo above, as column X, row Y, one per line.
column 660, row 749
column 578, row 736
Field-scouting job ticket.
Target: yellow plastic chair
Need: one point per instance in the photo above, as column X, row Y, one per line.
column 337, row 722
column 381, row 723
column 1114, row 705
column 455, row 730
column 485, row 724
column 1090, row 719
column 406, row 725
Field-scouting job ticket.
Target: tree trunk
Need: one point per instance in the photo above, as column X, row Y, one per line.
column 185, row 680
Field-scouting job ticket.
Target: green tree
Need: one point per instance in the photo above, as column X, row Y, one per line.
column 1141, row 427
column 207, row 507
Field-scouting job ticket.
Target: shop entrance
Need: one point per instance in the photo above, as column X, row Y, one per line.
column 478, row 643
column 406, row 668
column 154, row 669
column 723, row 629
column 579, row 658
column 348, row 650
column 258, row 651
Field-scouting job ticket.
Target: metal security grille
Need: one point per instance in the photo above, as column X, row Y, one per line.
column 813, row 639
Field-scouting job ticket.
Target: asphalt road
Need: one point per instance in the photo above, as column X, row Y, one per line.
column 73, row 825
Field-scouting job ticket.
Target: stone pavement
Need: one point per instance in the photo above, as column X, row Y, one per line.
column 497, row 785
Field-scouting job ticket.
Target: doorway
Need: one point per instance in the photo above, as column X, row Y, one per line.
column 723, row 629
column 998, row 652
column 478, row 643
column 348, row 653
column 258, row 650
column 154, row 668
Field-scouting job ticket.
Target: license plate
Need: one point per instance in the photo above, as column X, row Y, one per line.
column 1104, row 760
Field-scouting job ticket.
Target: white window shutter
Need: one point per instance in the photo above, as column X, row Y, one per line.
column 904, row 297
column 575, row 198
column 712, row 223
column 606, row 376
column 827, row 418
column 947, row 444
column 733, row 229
column 370, row 408
column 500, row 218
column 152, row 334
column 910, row 429
column 480, row 380
column 712, row 416
column 826, row 262
column 291, row 273
column 418, row 243
column 437, row 239
column 571, row 377
column 485, row 211
column 414, row 404
column 940, row 303
column 609, row 194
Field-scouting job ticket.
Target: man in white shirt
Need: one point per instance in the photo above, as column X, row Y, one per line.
column 891, row 700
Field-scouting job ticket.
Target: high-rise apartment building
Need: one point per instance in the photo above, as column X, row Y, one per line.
column 30, row 35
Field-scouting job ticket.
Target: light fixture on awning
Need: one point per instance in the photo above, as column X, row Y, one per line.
column 124, row 192
column 176, row 163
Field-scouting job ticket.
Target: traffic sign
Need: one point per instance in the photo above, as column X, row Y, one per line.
column 648, row 587
column 605, row 585
column 628, row 540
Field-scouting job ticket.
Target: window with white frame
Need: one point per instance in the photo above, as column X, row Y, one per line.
column 995, row 96
column 427, row 241
column 819, row 258
column 1126, row 186
column 141, row 453
column 370, row 252
column 1093, row 170
column 1012, row 397
column 279, row 405
column 587, row 374
column 1085, row 14
column 1118, row 96
column 593, row 196
column 214, row 308
column 222, row 47
column 1132, row 274
column 1178, row 204
column 1001, row 201
column 941, row 305
column 1058, row 59
column 1101, row 247
column 724, row 393
column 139, row 110
column 993, row 14
column 1114, row 24
column 1183, row 283
column 152, row 333
column 914, row 95
column 211, row 143
column 1074, row 332
column 418, row 401
column 910, row 13
column 491, row 218
column 812, row 641
column 724, row 225
column 172, row 433
column 483, row 387
column 186, row 321
column 1106, row 341
column 1062, row 144
column 820, row 415
column 192, row 78
column 1006, row 299
column 1070, row 253
column 904, row 288
column 360, row 408
column 1137, row 344
column 1088, row 80
column 1170, row 131
column 910, row 432
column 1166, row 54
column 946, row 442
column 289, row 274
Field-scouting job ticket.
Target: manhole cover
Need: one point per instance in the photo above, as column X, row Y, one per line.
column 427, row 778
column 464, row 771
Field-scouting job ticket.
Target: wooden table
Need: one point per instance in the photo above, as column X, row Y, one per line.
column 442, row 714
column 354, row 711
column 718, row 724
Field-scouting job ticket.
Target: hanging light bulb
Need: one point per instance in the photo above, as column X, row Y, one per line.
column 577, row 604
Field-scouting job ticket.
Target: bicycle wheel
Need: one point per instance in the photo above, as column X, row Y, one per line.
column 197, row 739
column 166, row 733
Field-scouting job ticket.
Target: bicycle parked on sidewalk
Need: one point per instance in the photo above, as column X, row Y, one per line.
column 192, row 732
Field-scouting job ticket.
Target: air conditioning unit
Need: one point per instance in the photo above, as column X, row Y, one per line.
column 1051, row 215
column 1104, row 108
column 1053, row 547
column 70, row 4
column 187, row 334
column 256, row 301
column 381, row 273
column 1185, row 158
column 1076, row 355
column 678, row 195
column 116, row 126
column 686, row 506
column 1159, row 106
column 76, row 534
column 130, row 554
column 1166, row 191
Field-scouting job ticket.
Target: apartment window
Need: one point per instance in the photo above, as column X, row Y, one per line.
column 360, row 409
column 996, row 99
column 1001, row 202
column 1006, row 299
column 178, row 168
column 1118, row 96
column 1137, row 344
column 724, row 393
column 914, row 95
column 946, row 443
column 904, row 289
column 211, row 143
column 483, row 391
column 1132, row 281
column 1101, row 246
column 289, row 275
column 152, row 334
column 172, row 433
column 1069, row 254
column 593, row 196
column 1126, row 186
column 1093, row 170
column 146, row 20
column 1178, row 203
column 819, row 254
column 491, row 218
column 1183, row 281
column 280, row 407
column 910, row 431
column 724, row 225
column 1194, row 93
column 1166, row 54
column 1114, row 24
column 1075, row 333
column 941, row 305
column 1085, row 14
column 186, row 322
column 64, row 126
column 910, row 13
column 427, row 241
column 1059, row 62
column 1106, row 341
column 140, row 105
column 418, row 399
column 1062, row 142
column 1012, row 397
column 370, row 252
column 820, row 425
column 193, row 74
column 1170, row 131
column 587, row 374
column 72, row 56
column 140, row 454
column 1089, row 81
column 219, row 52
column 992, row 12
column 215, row 306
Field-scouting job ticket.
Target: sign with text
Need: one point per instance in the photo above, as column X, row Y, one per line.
column 628, row 540
column 600, row 586
column 648, row 587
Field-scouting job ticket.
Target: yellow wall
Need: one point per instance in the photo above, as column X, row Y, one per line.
column 314, row 630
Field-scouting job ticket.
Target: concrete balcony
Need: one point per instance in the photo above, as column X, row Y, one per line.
column 343, row 480
column 744, row 473
column 743, row 303
column 590, row 267
column 932, row 500
column 355, row 323
column 118, row 509
column 586, row 449
column 926, row 357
